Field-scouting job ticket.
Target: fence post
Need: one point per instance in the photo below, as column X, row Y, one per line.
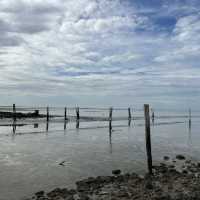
column 65, row 114
column 129, row 113
column 47, row 113
column 110, row 126
column 14, row 112
column 148, row 137
column 110, row 119
column 152, row 116
column 77, row 113
column 110, row 113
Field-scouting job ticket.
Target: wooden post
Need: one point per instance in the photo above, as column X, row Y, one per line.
column 129, row 113
column 14, row 112
column 110, row 126
column 47, row 114
column 152, row 116
column 77, row 124
column 110, row 120
column 110, row 114
column 77, row 113
column 65, row 114
column 148, row 137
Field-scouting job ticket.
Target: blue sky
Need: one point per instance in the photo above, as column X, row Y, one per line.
column 100, row 53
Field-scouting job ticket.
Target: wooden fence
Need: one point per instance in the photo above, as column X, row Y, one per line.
column 28, row 112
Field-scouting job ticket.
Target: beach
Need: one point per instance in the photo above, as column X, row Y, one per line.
column 176, row 179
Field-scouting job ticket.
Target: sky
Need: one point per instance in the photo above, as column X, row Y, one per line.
column 100, row 53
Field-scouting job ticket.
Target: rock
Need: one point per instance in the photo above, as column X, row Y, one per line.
column 164, row 184
column 39, row 194
column 184, row 171
column 54, row 193
column 116, row 172
column 180, row 157
column 166, row 158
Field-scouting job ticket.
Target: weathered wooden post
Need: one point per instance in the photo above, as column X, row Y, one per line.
column 47, row 114
column 110, row 113
column 77, row 113
column 14, row 112
column 65, row 118
column 110, row 119
column 148, row 137
column 129, row 116
column 152, row 116
column 110, row 126
column 65, row 114
column 129, row 113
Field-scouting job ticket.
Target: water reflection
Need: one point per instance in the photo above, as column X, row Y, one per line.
column 129, row 122
column 65, row 124
column 47, row 126
column 189, row 132
column 77, row 124
column 14, row 127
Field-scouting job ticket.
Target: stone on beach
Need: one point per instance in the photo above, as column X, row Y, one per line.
column 116, row 172
column 180, row 157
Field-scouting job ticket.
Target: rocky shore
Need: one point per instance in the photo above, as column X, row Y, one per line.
column 176, row 179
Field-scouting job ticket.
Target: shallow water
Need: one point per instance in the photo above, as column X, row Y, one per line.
column 30, row 157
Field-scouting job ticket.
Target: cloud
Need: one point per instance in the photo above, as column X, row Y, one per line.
column 113, row 47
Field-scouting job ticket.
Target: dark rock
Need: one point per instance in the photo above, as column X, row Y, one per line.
column 180, row 157
column 54, row 193
column 39, row 194
column 116, row 172
column 184, row 171
column 166, row 158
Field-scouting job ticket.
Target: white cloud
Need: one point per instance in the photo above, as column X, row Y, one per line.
column 85, row 45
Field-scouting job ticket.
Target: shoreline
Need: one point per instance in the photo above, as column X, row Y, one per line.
column 177, row 179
